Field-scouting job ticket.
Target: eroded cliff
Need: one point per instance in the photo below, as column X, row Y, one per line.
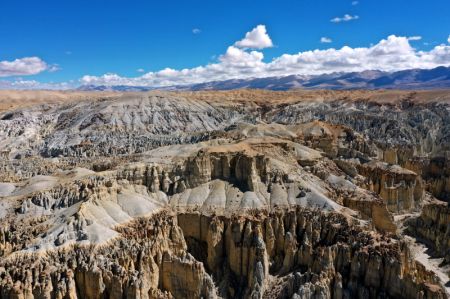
column 225, row 195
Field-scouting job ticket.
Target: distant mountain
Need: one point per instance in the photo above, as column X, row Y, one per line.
column 113, row 88
column 408, row 79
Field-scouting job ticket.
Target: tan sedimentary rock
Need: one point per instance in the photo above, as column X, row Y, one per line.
column 286, row 241
column 335, row 140
column 401, row 189
column 432, row 227
column 199, row 255
column 243, row 169
column 375, row 210
column 397, row 155
column 242, row 194
column 186, row 277
column 437, row 176
column 435, row 172
column 149, row 260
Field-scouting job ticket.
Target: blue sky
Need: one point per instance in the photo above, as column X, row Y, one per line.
column 71, row 39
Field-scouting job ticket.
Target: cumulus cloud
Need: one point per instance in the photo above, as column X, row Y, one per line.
column 325, row 40
column 256, row 39
column 391, row 54
column 23, row 67
column 196, row 31
column 345, row 18
column 239, row 62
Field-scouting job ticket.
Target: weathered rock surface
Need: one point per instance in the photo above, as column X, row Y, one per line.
column 433, row 228
column 193, row 255
column 401, row 189
column 239, row 194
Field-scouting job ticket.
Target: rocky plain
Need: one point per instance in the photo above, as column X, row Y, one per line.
column 225, row 194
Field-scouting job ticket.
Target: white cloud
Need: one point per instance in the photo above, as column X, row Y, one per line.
column 345, row 18
column 448, row 39
column 355, row 2
column 23, row 67
column 255, row 39
column 196, row 31
column 325, row 40
column 140, row 70
column 414, row 38
column 391, row 54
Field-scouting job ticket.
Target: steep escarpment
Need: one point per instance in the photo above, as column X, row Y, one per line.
column 149, row 260
column 432, row 227
column 438, row 177
column 401, row 189
column 193, row 255
column 306, row 246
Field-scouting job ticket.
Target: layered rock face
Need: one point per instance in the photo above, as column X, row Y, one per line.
column 245, row 171
column 438, row 177
column 194, row 255
column 149, row 260
column 241, row 194
column 401, row 189
column 310, row 245
column 432, row 227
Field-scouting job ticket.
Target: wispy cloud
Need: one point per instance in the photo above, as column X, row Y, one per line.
column 53, row 68
column 325, row 40
column 140, row 70
column 355, row 2
column 414, row 38
column 345, row 18
column 196, row 31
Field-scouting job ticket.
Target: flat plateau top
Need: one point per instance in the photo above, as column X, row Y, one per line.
column 12, row 99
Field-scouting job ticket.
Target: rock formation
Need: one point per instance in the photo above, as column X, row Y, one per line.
column 432, row 227
column 193, row 255
column 240, row 194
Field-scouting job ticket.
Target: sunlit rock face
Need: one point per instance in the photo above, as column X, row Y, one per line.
column 401, row 189
column 240, row 194
column 191, row 255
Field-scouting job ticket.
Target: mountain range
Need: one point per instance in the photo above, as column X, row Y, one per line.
column 437, row 78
